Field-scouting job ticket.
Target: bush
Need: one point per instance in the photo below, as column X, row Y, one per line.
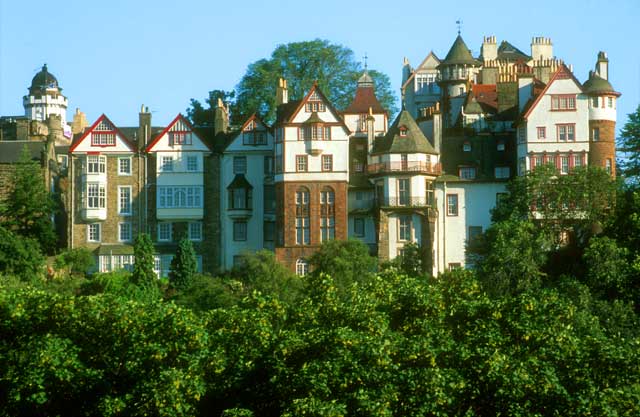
column 77, row 261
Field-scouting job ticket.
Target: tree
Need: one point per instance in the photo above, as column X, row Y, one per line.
column 630, row 146
column 20, row 256
column 183, row 265
column 346, row 261
column 30, row 207
column 205, row 117
column 77, row 261
column 143, row 274
column 301, row 63
column 262, row 272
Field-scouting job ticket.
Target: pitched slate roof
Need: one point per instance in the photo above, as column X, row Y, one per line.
column 414, row 142
column 459, row 54
column 364, row 99
column 508, row 52
column 10, row 151
column 286, row 111
column 483, row 98
column 598, row 85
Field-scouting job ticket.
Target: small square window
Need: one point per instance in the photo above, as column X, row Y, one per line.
column 502, row 172
column 466, row 147
column 301, row 163
column 542, row 132
column 165, row 231
column 167, row 163
column 596, row 134
column 93, row 232
column 124, row 166
column 327, row 162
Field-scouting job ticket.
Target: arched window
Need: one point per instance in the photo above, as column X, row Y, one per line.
column 302, row 267
column 302, row 217
column 327, row 214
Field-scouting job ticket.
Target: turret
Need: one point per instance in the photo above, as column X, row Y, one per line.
column 602, row 117
column 45, row 98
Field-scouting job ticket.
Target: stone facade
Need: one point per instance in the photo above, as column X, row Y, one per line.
column 603, row 150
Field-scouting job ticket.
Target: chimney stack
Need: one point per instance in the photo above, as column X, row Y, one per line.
column 144, row 127
column 221, row 118
column 602, row 66
column 489, row 50
column 282, row 94
column 437, row 128
column 371, row 130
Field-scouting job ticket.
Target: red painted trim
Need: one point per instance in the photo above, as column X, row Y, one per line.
column 166, row 130
column 327, row 103
column 126, row 141
column 559, row 74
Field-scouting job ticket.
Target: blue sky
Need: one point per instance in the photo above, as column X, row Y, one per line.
column 110, row 57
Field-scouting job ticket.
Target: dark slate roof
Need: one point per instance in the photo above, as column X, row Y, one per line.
column 364, row 99
column 44, row 79
column 239, row 181
column 115, row 249
column 597, row 85
column 459, row 54
column 508, row 52
column 10, row 151
column 313, row 118
column 285, row 111
column 414, row 142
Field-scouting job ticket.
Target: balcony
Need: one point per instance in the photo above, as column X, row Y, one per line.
column 405, row 202
column 404, row 167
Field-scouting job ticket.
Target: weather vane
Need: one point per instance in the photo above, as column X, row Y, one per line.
column 459, row 23
column 365, row 61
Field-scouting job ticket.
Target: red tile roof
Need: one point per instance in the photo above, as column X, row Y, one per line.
column 364, row 99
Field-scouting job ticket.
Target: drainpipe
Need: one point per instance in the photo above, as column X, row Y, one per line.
column 72, row 207
column 444, row 227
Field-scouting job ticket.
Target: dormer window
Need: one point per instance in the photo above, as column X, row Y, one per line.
column 179, row 138
column 403, row 131
column 466, row 146
column 315, row 103
column 104, row 134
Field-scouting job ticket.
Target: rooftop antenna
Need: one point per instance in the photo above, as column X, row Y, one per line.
column 459, row 23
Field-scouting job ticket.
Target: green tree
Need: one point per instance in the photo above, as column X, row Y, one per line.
column 76, row 261
column 143, row 274
column 333, row 66
column 184, row 265
column 20, row 256
column 629, row 141
column 261, row 271
column 202, row 116
column 347, row 261
column 29, row 208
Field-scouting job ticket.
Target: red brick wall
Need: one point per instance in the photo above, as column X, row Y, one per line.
column 605, row 147
column 287, row 251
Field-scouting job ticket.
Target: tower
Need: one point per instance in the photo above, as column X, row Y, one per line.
column 602, row 116
column 457, row 70
column 45, row 98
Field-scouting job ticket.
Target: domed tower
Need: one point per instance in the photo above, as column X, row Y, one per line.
column 45, row 98
column 602, row 116
column 457, row 71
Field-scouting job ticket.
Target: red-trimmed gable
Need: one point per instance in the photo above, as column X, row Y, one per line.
column 562, row 73
column 178, row 118
column 88, row 131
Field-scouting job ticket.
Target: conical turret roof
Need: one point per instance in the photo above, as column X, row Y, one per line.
column 413, row 140
column 459, row 54
column 597, row 85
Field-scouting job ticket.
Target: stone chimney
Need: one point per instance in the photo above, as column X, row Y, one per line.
column 144, row 127
column 79, row 123
column 371, row 130
column 54, row 125
column 220, row 118
column 602, row 66
column 489, row 49
column 406, row 70
column 541, row 48
column 282, row 93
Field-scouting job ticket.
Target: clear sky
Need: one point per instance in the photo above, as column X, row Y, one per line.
column 112, row 56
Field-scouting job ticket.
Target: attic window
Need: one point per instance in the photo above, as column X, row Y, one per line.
column 179, row 138
column 466, row 146
column 314, row 106
column 403, row 131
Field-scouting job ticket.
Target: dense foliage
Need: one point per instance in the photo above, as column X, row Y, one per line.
column 629, row 139
column 333, row 66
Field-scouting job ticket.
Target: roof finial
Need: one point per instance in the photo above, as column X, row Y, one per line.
column 365, row 61
column 459, row 23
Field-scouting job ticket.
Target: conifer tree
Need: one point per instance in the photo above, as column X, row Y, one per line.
column 29, row 207
column 184, row 265
column 630, row 145
column 143, row 267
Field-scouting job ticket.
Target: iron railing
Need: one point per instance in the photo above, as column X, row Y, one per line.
column 406, row 202
column 422, row 167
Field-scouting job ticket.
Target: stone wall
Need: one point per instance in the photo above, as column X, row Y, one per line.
column 605, row 147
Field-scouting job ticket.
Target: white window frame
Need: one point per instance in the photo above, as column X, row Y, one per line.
column 125, row 238
column 239, row 164
column 405, row 231
column 128, row 160
column 96, row 164
column 128, row 209
column 98, row 231
column 101, row 195
column 193, row 164
column 166, row 163
column 168, row 233
column 302, row 267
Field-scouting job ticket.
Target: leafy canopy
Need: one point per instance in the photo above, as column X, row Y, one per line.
column 630, row 146
column 333, row 66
